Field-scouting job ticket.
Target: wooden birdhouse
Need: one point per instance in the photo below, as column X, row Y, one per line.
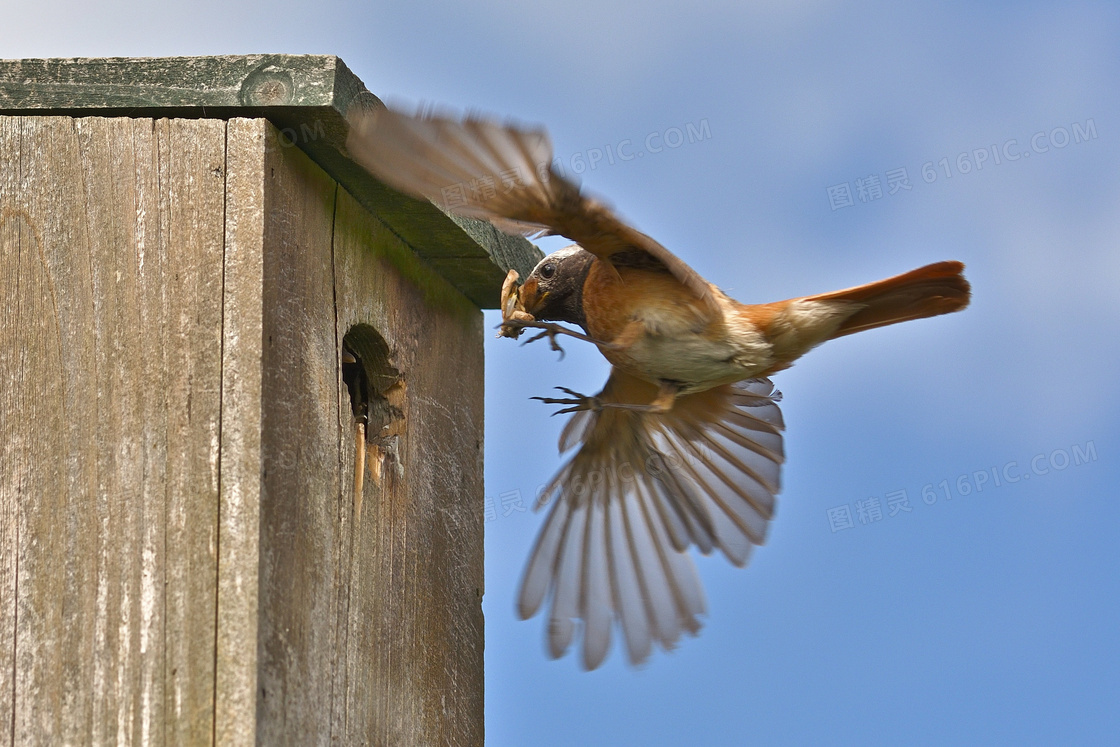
column 205, row 303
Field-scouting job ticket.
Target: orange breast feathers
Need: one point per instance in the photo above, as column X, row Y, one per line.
column 622, row 303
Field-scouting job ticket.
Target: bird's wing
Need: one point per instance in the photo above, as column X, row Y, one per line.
column 640, row 490
column 502, row 173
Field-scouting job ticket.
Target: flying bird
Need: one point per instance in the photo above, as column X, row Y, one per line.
column 683, row 446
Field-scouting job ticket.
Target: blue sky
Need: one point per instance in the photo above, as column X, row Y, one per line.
column 990, row 617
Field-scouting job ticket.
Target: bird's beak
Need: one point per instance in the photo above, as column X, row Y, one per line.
column 531, row 298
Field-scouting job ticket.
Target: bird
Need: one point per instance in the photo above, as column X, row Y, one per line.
column 683, row 446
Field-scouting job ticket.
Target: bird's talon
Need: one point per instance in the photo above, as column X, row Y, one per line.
column 550, row 333
column 514, row 327
column 579, row 402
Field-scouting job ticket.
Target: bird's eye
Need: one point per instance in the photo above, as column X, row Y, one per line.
column 548, row 270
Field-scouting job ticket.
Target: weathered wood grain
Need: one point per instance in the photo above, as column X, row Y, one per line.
column 182, row 559
column 111, row 346
column 240, row 462
column 14, row 278
column 301, row 461
column 34, row 479
column 307, row 97
column 371, row 625
column 414, row 642
column 224, row 85
column 117, row 186
column 192, row 158
column 9, row 521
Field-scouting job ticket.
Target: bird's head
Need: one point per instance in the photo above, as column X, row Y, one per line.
column 554, row 289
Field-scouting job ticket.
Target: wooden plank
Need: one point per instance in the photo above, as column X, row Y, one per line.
column 224, row 85
column 192, row 171
column 14, row 277
column 307, row 98
column 371, row 630
column 301, row 462
column 111, row 280
column 240, row 461
column 117, row 185
column 34, row 481
column 413, row 641
column 61, row 613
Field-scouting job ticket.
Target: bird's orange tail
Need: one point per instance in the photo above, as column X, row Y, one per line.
column 935, row 289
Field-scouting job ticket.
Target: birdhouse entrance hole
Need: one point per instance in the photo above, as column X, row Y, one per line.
column 377, row 391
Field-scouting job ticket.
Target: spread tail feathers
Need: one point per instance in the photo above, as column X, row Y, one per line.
column 935, row 289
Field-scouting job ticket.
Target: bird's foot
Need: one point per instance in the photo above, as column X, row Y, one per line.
column 666, row 397
column 513, row 328
column 552, row 329
column 577, row 402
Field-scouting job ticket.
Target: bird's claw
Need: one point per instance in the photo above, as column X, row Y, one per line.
column 578, row 402
column 550, row 331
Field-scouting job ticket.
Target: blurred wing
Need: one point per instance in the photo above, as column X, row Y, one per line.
column 639, row 491
column 501, row 173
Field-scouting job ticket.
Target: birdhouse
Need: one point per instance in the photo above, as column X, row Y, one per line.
column 241, row 494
